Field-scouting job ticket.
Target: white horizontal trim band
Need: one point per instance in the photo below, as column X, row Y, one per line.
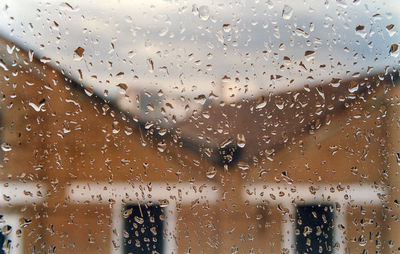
column 285, row 194
column 104, row 192
column 19, row 193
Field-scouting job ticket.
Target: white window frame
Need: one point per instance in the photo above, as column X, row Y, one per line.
column 139, row 193
column 352, row 194
column 19, row 194
column 16, row 242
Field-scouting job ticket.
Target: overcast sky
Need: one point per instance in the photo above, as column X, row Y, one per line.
column 184, row 47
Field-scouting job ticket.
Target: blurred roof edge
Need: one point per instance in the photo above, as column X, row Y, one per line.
column 220, row 153
column 80, row 87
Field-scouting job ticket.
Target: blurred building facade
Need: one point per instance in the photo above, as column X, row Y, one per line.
column 313, row 170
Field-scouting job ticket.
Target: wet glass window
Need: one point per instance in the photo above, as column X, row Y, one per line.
column 199, row 126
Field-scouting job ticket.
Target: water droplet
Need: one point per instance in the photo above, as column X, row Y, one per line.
column 6, row 198
column 30, row 55
column 36, row 107
column 65, row 5
column 334, row 149
column 335, row 82
column 78, row 53
column 342, row 4
column 243, row 166
column 3, row 65
column 6, row 147
column 150, row 106
column 128, row 130
column 226, row 27
column 164, row 69
column 139, row 220
column 300, row 32
column 241, row 140
column 163, row 202
column 127, row 213
column 201, row 99
column 115, row 127
column 226, row 78
column 151, row 64
column 163, row 31
column 10, row 49
column 89, row 91
column 6, row 230
column 389, row 29
column 360, row 30
column 280, row 104
column 225, row 143
column 195, row 10
column 162, row 132
column 211, row 172
column 153, row 231
column 309, row 54
column 393, row 50
column 123, row 87
column 287, row 12
column 45, row 59
column 161, row 146
column 23, row 222
column 354, row 170
column 361, row 241
column 353, row 87
column 312, row 27
column 148, row 125
column 204, row 12
column 261, row 103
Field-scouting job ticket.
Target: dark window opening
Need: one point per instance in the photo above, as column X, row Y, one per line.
column 5, row 242
column 143, row 229
column 314, row 228
column 2, row 240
